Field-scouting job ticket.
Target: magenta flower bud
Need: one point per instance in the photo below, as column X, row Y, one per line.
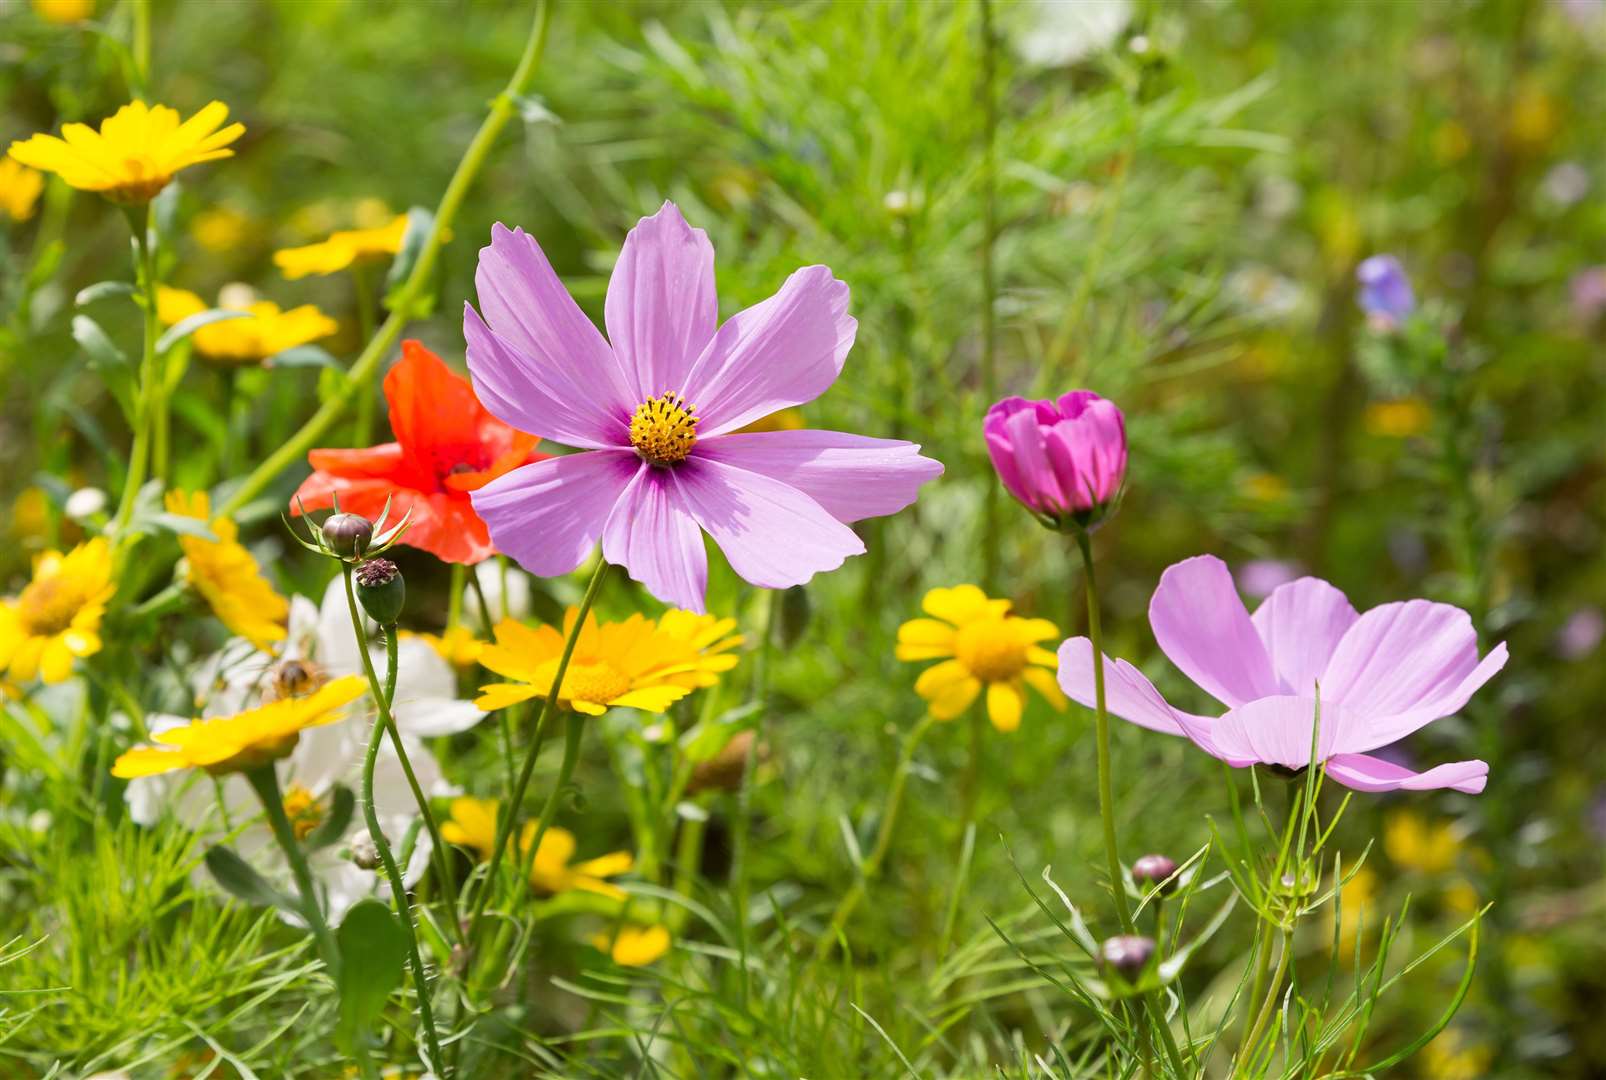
column 1126, row 955
column 1064, row 460
column 1151, row 870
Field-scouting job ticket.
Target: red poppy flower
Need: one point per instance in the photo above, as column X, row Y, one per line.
column 446, row 446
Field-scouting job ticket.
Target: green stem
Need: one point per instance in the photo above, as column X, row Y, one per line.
column 970, row 792
column 1101, row 721
column 366, row 311
column 265, row 782
column 1268, row 1007
column 148, row 394
column 742, row 834
column 989, row 284
column 366, row 366
column 140, row 48
column 527, row 769
column 398, row 887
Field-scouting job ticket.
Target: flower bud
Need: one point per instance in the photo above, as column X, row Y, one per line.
column 1126, row 955
column 1064, row 459
column 1385, row 294
column 381, row 590
column 348, row 534
column 1151, row 870
column 364, row 851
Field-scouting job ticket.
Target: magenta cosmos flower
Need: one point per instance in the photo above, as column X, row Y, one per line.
column 1064, row 460
column 657, row 413
column 1382, row 675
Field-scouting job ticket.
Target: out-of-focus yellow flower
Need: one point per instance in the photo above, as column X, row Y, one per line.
column 1414, row 844
column 457, row 646
column 57, row 617
column 980, row 645
column 303, row 810
column 1264, row 487
column 1357, row 899
column 226, row 575
column 473, row 825
column 1402, row 419
column 1451, row 143
column 342, row 249
column 30, row 513
column 784, row 420
column 264, row 332
column 706, row 642
column 19, row 189
column 1535, row 117
column 634, row 946
column 135, row 153
column 220, row 229
column 1337, row 226
column 245, row 740
column 633, row 663
column 1461, row 898
column 64, row 12
column 1452, row 1056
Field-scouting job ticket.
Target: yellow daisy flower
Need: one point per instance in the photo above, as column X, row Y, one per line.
column 224, row 573
column 342, row 249
column 980, row 644
column 135, row 153
column 244, row 741
column 707, row 640
column 19, row 189
column 265, row 332
column 473, row 825
column 1412, row 843
column 457, row 646
column 634, row 946
column 57, row 617
column 630, row 663
column 64, row 12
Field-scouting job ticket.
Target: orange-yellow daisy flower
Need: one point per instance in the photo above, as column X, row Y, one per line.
column 245, row 740
column 707, row 640
column 64, row 12
column 457, row 646
column 473, row 825
column 136, row 152
column 634, row 946
column 263, row 332
column 981, row 645
column 57, row 617
column 342, row 249
column 226, row 575
column 19, row 189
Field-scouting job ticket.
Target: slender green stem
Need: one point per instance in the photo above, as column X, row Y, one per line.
column 148, row 394
column 870, row 866
column 367, row 308
column 398, row 886
column 989, row 283
column 1101, row 721
column 521, row 785
column 573, row 729
column 454, row 599
column 970, row 794
column 741, row 872
column 266, row 784
column 1269, row 1006
column 366, row 366
column 140, row 48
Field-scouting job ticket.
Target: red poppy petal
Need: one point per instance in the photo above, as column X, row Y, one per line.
column 357, row 496
column 433, row 410
column 375, row 461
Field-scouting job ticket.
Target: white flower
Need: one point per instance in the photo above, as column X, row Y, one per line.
column 85, row 503
column 490, row 574
column 1061, row 32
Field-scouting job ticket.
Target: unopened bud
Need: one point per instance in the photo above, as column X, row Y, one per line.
column 364, row 852
column 348, row 535
column 1153, row 870
column 1127, row 955
column 381, row 590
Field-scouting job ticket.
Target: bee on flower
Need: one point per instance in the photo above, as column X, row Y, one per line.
column 262, row 331
column 981, row 646
column 56, row 618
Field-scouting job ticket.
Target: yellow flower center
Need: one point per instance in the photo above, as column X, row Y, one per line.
column 664, row 429
column 303, row 809
column 991, row 650
column 594, row 683
column 48, row 606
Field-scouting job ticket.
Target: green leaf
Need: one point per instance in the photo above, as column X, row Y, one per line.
column 373, row 948
column 178, row 523
column 333, row 826
column 106, row 360
column 185, row 327
column 102, row 290
column 419, row 223
column 238, row 879
column 303, row 356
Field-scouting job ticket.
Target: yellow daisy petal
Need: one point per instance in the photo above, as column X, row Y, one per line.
column 1004, row 705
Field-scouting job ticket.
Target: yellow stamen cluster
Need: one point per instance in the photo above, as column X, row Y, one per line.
column 303, row 810
column 664, row 429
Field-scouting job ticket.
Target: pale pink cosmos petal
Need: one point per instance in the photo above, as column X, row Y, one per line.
column 1128, row 694
column 1301, row 624
column 549, row 515
column 542, row 352
column 780, row 352
column 1377, row 731
column 1202, row 626
column 851, row 476
column 654, row 537
column 1277, row 730
column 661, row 309
column 1402, row 656
column 1365, row 773
column 773, row 535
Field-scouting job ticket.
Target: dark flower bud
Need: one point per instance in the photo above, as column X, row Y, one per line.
column 348, row 534
column 1127, row 955
column 1152, row 870
column 381, row 590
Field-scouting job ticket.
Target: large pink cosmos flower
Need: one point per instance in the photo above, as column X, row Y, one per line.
column 657, row 413
column 1382, row 675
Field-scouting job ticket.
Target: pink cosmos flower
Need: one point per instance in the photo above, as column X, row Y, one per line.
column 1063, row 459
column 1382, row 675
column 657, row 413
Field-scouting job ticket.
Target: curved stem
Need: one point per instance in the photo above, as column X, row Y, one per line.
column 366, row 366
column 527, row 769
column 265, row 782
column 398, row 886
column 1101, row 720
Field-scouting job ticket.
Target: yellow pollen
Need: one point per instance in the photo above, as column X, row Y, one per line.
column 594, row 683
column 664, row 429
column 991, row 650
column 48, row 606
column 303, row 809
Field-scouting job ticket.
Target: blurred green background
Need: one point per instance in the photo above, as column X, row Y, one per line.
column 1183, row 191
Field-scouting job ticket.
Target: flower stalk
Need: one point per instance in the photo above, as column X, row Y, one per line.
column 1101, row 723
column 149, row 396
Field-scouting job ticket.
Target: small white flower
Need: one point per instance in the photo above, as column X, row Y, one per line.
column 85, row 503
